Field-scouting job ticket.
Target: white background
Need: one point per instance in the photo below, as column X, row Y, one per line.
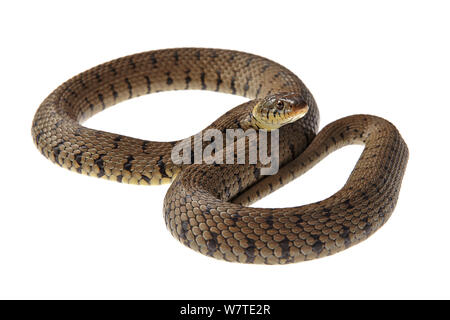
column 64, row 235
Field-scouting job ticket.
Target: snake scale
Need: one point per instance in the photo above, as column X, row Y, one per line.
column 206, row 207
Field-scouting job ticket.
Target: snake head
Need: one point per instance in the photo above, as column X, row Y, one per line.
column 277, row 110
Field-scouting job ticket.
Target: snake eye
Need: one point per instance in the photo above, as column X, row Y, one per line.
column 280, row 105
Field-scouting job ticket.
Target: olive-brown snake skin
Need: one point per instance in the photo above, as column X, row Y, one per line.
column 205, row 207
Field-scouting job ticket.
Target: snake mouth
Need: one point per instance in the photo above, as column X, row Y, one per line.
column 298, row 111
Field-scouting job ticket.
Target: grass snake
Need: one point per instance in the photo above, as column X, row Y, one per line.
column 206, row 207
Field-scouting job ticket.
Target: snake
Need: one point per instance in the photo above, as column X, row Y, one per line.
column 208, row 205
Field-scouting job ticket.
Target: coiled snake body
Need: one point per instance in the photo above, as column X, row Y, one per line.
column 205, row 207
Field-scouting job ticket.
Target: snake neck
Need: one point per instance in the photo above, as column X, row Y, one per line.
column 254, row 123
column 249, row 121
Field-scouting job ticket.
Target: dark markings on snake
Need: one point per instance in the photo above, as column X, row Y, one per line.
column 101, row 165
column 237, row 123
column 212, row 244
column 299, row 222
column 114, row 92
column 91, row 106
column 128, row 165
column 176, row 56
column 184, row 229
column 250, row 250
column 214, row 54
column 376, row 187
column 78, row 159
column 72, row 92
column 153, row 60
column 100, row 97
column 235, row 217
column 347, row 203
column 345, row 234
column 188, row 79
column 227, row 192
column 232, row 85
column 250, row 253
column 197, row 54
column 308, row 137
column 219, row 80
column 246, row 87
column 146, row 179
column 233, row 55
column 264, row 68
column 67, row 102
column 149, row 84
column 258, row 91
column 162, row 167
column 57, row 151
column 257, row 173
column 317, row 247
column 113, row 70
column 169, row 79
column 144, row 147
column 239, row 181
column 119, row 178
column 292, row 149
column 82, row 83
column 38, row 137
column 97, row 76
column 269, row 221
column 202, row 79
column 208, row 211
column 167, row 215
column 284, row 245
column 381, row 212
column 132, row 64
column 185, row 226
column 130, row 88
